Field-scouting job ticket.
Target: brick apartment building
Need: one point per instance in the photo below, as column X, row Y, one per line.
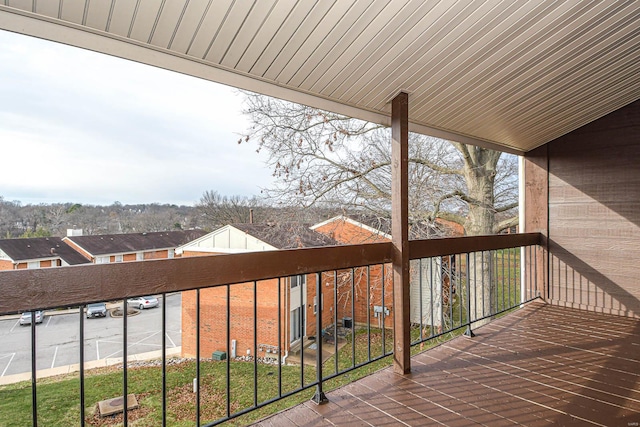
column 296, row 296
column 37, row 252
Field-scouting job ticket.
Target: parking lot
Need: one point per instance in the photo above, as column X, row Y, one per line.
column 57, row 338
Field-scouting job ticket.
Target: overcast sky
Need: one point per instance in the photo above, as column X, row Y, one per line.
column 78, row 126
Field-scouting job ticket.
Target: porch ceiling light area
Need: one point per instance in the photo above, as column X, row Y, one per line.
column 506, row 74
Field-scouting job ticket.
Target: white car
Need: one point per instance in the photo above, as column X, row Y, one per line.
column 25, row 318
column 143, row 302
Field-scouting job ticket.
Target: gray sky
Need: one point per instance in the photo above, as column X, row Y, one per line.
column 78, row 126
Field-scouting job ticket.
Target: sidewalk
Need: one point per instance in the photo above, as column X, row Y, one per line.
column 61, row 370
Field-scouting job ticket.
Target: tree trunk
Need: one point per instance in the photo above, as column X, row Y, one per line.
column 479, row 173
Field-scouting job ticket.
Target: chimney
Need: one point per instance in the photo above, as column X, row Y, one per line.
column 250, row 216
column 74, row 232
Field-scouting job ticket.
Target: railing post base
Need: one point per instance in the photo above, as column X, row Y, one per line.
column 469, row 333
column 319, row 398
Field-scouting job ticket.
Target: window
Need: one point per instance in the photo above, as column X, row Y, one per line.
column 102, row 260
column 119, row 258
column 298, row 280
column 315, row 304
column 171, row 253
column 139, row 256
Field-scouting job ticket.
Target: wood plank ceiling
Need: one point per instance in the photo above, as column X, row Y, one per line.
column 514, row 74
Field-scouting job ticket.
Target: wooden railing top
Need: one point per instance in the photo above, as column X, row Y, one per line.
column 22, row 290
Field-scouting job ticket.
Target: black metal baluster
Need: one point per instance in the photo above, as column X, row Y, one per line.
column 459, row 288
column 335, row 317
column 228, row 364
column 431, row 294
column 301, row 321
column 469, row 333
column 319, row 397
column 164, row 360
column 197, row 357
column 125, row 386
column 368, row 312
column 279, row 337
column 255, row 343
column 82, row 400
column 421, row 300
column 34, row 393
column 353, row 318
column 452, row 274
column 382, row 315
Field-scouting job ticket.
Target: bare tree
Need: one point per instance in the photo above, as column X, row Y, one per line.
column 326, row 159
column 322, row 158
column 219, row 210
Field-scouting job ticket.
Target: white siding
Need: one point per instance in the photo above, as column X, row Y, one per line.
column 430, row 271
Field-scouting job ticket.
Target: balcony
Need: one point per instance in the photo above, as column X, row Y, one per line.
column 456, row 285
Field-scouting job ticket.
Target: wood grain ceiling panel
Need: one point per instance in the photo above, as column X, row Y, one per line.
column 304, row 42
column 73, row 11
column 494, row 72
column 247, row 33
column 145, row 19
column 168, row 21
column 284, row 30
column 98, row 13
column 26, row 5
column 337, row 44
column 264, row 34
column 48, row 8
column 361, row 42
column 192, row 18
column 231, row 26
column 209, row 27
column 344, row 17
column 121, row 18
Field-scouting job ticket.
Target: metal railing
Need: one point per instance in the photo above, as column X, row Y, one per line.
column 339, row 318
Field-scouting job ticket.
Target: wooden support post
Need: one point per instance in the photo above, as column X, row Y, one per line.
column 400, row 231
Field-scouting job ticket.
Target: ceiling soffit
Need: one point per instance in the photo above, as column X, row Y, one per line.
column 506, row 74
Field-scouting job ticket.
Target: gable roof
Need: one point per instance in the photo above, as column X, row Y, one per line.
column 134, row 242
column 286, row 235
column 31, row 249
column 381, row 226
column 375, row 229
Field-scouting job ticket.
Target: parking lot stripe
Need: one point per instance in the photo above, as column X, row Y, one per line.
column 9, row 363
column 172, row 343
column 48, row 321
column 97, row 349
column 55, row 353
column 14, row 326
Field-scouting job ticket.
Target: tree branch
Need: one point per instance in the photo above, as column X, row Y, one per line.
column 443, row 170
column 507, row 207
column 504, row 224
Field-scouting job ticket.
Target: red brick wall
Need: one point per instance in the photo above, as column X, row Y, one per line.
column 348, row 233
column 6, row 265
column 45, row 264
column 213, row 318
column 156, row 254
column 129, row 257
column 351, row 234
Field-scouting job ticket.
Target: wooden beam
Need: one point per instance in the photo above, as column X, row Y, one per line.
column 536, row 213
column 400, row 232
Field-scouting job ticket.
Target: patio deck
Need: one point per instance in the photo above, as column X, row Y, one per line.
column 540, row 365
